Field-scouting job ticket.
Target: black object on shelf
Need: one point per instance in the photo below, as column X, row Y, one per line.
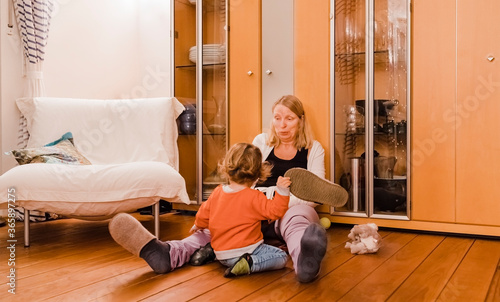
column 380, row 106
column 165, row 207
column 187, row 120
column 389, row 194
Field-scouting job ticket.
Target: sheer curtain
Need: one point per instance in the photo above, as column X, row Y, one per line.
column 33, row 20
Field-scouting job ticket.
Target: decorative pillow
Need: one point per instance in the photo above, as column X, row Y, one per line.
column 61, row 151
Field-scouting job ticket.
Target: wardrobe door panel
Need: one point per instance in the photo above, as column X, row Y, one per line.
column 478, row 108
column 433, row 111
column 244, row 71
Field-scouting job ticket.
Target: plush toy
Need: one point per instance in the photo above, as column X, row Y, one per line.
column 365, row 239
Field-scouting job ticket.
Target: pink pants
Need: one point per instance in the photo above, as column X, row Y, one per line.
column 291, row 228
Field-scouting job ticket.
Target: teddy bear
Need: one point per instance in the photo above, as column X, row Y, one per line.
column 365, row 239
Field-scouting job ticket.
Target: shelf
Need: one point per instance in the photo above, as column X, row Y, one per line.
column 211, row 134
column 363, row 133
column 205, row 66
column 380, row 56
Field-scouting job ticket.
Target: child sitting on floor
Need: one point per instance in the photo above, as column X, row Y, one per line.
column 233, row 214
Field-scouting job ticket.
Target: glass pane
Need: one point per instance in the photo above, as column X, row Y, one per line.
column 390, row 103
column 349, row 101
column 213, row 96
column 185, row 89
column 214, row 92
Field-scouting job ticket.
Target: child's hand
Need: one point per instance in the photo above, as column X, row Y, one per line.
column 283, row 182
column 193, row 229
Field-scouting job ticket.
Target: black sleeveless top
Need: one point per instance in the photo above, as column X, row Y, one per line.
column 280, row 166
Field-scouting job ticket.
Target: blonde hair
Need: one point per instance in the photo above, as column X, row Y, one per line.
column 304, row 137
column 243, row 164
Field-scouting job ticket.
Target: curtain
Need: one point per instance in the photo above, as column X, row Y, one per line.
column 33, row 20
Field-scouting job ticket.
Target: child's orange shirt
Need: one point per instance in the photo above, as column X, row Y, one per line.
column 234, row 219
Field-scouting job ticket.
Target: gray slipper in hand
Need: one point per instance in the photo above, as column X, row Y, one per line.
column 308, row 186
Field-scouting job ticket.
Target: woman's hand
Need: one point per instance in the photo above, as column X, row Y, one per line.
column 283, row 182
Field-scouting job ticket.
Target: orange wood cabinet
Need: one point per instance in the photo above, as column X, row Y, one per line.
column 455, row 101
column 456, row 170
column 245, row 74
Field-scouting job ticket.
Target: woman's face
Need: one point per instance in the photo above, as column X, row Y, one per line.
column 285, row 122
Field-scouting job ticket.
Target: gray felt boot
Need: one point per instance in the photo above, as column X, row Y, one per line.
column 308, row 186
column 131, row 235
column 312, row 251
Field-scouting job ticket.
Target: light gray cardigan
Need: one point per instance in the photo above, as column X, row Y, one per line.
column 315, row 164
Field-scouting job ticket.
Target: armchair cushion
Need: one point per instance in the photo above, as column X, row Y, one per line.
column 95, row 190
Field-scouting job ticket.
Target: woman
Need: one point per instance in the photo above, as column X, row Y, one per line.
column 289, row 144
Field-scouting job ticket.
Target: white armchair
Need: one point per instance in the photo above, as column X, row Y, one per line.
column 131, row 145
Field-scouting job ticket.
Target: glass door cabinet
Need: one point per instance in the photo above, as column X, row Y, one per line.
column 199, row 56
column 370, row 67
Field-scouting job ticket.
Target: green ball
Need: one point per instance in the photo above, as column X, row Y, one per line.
column 325, row 222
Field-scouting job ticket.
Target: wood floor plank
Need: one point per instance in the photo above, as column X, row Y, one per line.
column 132, row 285
column 44, row 266
column 240, row 287
column 147, row 283
column 94, row 291
column 56, row 231
column 71, row 277
column 192, row 288
column 429, row 279
column 383, row 281
column 494, row 291
column 339, row 281
column 472, row 279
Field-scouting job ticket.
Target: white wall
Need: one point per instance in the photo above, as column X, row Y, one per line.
column 96, row 49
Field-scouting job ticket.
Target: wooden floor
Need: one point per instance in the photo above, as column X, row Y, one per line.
column 75, row 260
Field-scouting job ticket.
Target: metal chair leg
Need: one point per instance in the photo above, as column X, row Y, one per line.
column 26, row 228
column 156, row 211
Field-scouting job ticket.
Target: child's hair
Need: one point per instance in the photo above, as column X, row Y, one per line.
column 243, row 164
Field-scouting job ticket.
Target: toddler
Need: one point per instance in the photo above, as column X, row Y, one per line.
column 233, row 213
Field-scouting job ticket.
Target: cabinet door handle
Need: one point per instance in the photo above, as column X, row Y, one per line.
column 490, row 58
column 249, row 72
column 268, row 71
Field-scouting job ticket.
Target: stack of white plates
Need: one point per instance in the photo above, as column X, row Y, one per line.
column 208, row 188
column 212, row 53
